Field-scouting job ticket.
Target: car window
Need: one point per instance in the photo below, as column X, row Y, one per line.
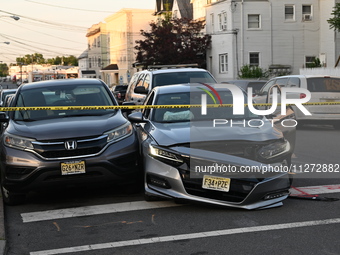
column 323, row 84
column 181, row 77
column 149, row 100
column 256, row 86
column 267, row 86
column 140, row 80
column 282, row 82
column 146, row 82
column 81, row 95
column 293, row 82
column 194, row 113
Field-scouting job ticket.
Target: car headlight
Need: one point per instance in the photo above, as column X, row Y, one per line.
column 18, row 142
column 274, row 149
column 165, row 156
column 119, row 133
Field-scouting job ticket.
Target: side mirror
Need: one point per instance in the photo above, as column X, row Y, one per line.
column 4, row 117
column 136, row 117
column 140, row 90
column 127, row 111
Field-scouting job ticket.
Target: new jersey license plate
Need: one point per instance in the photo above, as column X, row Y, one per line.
column 73, row 167
column 216, row 183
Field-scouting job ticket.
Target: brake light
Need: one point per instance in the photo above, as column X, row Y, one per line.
column 302, row 95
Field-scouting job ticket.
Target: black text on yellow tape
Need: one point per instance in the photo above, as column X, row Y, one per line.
column 133, row 107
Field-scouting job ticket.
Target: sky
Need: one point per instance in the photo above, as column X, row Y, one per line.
column 54, row 28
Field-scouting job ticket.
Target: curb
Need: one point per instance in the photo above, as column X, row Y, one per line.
column 2, row 228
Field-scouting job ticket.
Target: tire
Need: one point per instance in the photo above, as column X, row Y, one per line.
column 11, row 198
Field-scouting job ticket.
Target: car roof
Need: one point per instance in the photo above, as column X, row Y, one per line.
column 61, row 82
column 307, row 76
column 174, row 70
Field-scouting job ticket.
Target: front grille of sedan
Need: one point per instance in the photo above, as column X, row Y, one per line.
column 56, row 148
column 234, row 148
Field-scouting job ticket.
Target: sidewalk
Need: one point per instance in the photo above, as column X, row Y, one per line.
column 2, row 228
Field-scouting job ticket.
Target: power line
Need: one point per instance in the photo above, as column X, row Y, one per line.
column 45, row 21
column 63, row 7
column 64, row 39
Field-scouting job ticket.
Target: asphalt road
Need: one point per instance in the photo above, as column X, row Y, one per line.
column 108, row 221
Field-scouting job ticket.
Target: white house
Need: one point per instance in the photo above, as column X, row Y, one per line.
column 282, row 36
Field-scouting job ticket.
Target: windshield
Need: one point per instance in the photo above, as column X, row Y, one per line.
column 194, row 113
column 323, row 84
column 80, row 95
column 181, row 78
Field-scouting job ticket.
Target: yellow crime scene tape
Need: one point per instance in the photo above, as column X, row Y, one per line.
column 133, row 107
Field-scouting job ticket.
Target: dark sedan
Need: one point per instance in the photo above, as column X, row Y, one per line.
column 59, row 147
column 214, row 157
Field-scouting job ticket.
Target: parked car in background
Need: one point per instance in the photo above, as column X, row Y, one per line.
column 55, row 149
column 119, row 92
column 244, row 84
column 179, row 145
column 144, row 81
column 4, row 93
column 324, row 89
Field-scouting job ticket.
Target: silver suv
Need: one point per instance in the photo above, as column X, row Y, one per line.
column 323, row 89
column 144, row 81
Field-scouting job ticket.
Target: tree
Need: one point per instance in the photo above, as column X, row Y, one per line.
column 173, row 41
column 334, row 23
column 3, row 69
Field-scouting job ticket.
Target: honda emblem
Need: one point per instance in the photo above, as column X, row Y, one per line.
column 71, row 145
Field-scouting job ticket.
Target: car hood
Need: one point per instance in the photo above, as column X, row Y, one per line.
column 170, row 134
column 68, row 127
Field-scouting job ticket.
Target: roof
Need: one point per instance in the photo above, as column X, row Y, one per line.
column 111, row 67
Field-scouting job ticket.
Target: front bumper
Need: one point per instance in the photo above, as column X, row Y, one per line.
column 178, row 188
column 23, row 171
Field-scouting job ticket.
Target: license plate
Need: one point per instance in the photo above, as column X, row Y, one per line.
column 216, row 183
column 73, row 167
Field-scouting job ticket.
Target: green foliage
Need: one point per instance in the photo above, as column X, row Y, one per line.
column 37, row 58
column 334, row 23
column 248, row 71
column 173, row 41
column 316, row 63
column 3, row 69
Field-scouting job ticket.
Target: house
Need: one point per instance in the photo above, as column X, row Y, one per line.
column 122, row 29
column 275, row 35
column 97, row 51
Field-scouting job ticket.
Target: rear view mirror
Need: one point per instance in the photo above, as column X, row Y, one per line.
column 141, row 90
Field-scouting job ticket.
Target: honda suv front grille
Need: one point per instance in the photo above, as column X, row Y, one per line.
column 57, row 149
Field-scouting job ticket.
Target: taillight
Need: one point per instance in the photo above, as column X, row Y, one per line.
column 302, row 95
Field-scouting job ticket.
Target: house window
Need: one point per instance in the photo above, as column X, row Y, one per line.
column 309, row 61
column 175, row 14
column 90, row 62
column 306, row 12
column 289, row 12
column 253, row 21
column 222, row 21
column 212, row 22
column 223, row 63
column 254, row 58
